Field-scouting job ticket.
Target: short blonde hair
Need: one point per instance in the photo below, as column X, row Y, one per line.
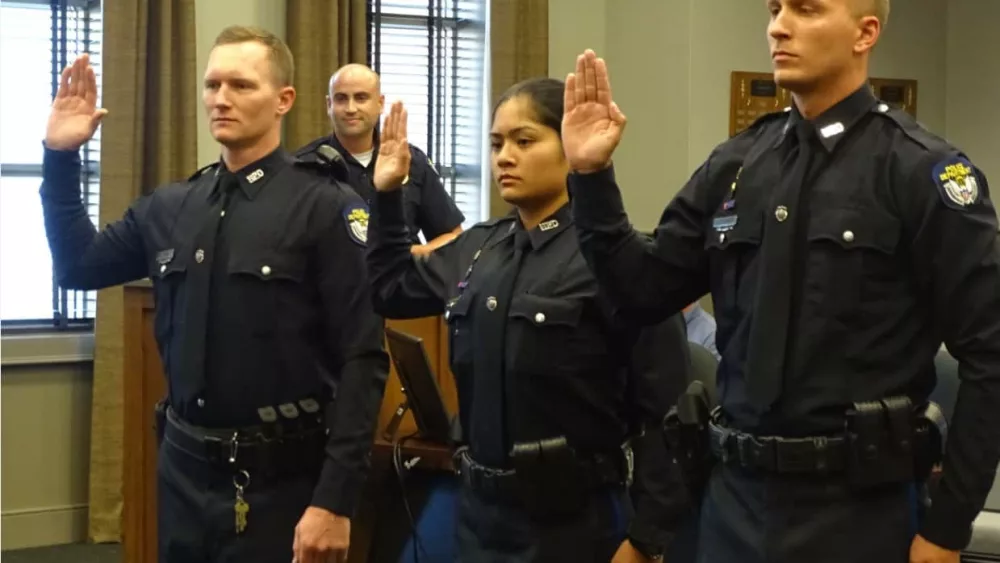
column 882, row 11
column 877, row 8
column 282, row 61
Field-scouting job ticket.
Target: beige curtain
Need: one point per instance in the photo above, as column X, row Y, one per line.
column 323, row 36
column 148, row 138
column 519, row 49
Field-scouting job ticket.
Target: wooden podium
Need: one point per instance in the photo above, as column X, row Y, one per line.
column 144, row 385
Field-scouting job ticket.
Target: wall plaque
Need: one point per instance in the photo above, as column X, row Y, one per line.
column 900, row 94
column 753, row 94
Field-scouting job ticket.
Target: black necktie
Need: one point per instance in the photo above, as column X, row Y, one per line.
column 197, row 286
column 488, row 434
column 767, row 352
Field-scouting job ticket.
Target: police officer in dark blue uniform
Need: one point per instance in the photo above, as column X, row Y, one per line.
column 547, row 390
column 272, row 351
column 841, row 243
column 354, row 104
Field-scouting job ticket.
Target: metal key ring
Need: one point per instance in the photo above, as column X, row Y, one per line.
column 246, row 477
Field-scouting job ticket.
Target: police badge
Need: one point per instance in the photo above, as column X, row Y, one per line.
column 955, row 178
column 356, row 218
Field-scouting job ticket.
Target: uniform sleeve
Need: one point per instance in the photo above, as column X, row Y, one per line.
column 406, row 286
column 438, row 213
column 354, row 336
column 648, row 280
column 660, row 366
column 957, row 262
column 82, row 258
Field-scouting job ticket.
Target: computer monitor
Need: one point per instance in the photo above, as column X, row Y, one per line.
column 422, row 393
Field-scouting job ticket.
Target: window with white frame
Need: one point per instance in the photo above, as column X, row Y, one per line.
column 431, row 55
column 38, row 38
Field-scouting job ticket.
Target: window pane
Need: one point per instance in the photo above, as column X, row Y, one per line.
column 25, row 262
column 30, row 64
column 431, row 56
column 26, row 87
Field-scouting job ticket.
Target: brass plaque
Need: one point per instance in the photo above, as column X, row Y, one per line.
column 900, row 94
column 753, row 94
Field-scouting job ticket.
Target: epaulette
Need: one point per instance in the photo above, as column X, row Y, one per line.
column 325, row 158
column 912, row 128
column 202, row 171
column 768, row 118
column 490, row 223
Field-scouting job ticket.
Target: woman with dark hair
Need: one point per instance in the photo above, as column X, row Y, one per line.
column 543, row 366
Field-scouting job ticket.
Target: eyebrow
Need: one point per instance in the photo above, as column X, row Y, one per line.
column 514, row 131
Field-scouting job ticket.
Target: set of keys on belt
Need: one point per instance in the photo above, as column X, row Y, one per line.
column 268, row 415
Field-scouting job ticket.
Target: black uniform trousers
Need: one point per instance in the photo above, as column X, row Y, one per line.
column 196, row 517
column 493, row 530
column 766, row 518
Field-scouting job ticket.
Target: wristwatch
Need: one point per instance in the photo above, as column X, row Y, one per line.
column 646, row 549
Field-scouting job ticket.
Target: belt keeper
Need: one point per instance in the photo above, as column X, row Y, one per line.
column 234, row 446
column 724, row 444
column 821, row 445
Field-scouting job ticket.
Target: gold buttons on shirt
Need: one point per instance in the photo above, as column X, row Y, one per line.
column 199, row 256
column 848, row 236
column 781, row 213
column 265, row 270
column 163, row 268
column 722, row 237
column 539, row 318
column 491, row 303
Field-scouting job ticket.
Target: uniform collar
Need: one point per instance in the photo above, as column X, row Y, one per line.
column 544, row 232
column 333, row 141
column 252, row 177
column 835, row 122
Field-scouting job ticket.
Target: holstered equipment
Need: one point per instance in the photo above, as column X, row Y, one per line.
column 548, row 477
column 686, row 430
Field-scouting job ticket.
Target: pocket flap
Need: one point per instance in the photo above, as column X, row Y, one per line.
column 726, row 230
column 546, row 310
column 458, row 307
column 269, row 266
column 168, row 262
column 853, row 228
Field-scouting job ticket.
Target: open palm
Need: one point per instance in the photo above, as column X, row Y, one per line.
column 393, row 162
column 74, row 116
column 592, row 124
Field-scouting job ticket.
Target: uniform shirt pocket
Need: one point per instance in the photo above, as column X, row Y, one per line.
column 732, row 247
column 168, row 275
column 547, row 335
column 461, row 343
column 266, row 285
column 852, row 258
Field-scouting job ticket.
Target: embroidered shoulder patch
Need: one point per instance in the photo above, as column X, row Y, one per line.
column 955, row 178
column 356, row 217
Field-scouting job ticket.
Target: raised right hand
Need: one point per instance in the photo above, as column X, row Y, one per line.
column 74, row 116
column 592, row 124
column 393, row 164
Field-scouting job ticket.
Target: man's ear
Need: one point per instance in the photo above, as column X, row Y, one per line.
column 869, row 30
column 286, row 99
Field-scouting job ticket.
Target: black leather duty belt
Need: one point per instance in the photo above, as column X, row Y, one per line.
column 596, row 472
column 249, row 448
column 820, row 454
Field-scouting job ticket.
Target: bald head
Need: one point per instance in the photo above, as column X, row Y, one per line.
column 357, row 74
column 354, row 103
